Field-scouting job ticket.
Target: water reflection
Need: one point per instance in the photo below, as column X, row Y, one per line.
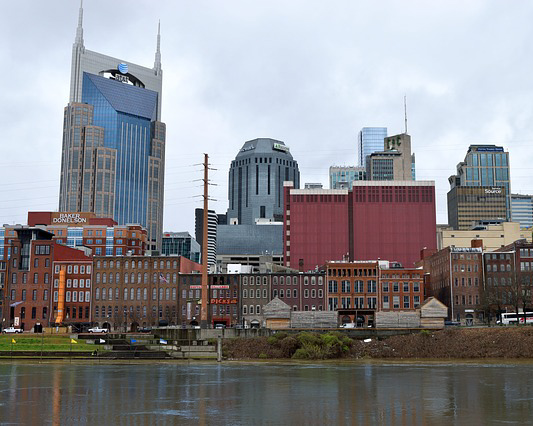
column 210, row 394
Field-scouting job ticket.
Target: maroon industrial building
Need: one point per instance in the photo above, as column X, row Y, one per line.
column 373, row 220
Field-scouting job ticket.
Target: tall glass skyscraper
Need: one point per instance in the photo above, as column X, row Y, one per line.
column 484, row 166
column 369, row 140
column 113, row 140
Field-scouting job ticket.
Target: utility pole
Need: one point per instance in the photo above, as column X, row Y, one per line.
column 203, row 306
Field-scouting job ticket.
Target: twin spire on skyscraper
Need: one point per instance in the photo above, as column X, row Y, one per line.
column 79, row 39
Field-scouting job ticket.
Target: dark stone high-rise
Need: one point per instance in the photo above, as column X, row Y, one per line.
column 256, row 179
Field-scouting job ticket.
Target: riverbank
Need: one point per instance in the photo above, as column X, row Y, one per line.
column 452, row 343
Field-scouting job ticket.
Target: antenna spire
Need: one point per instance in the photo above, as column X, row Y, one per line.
column 157, row 62
column 79, row 30
column 405, row 111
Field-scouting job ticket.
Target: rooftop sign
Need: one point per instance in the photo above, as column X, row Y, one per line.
column 490, row 149
column 69, row 218
column 280, row 147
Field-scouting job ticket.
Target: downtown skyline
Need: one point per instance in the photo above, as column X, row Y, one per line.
column 313, row 83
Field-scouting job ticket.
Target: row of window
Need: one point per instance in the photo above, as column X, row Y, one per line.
column 465, row 268
column 133, row 278
column 466, row 281
column 74, row 296
column 74, row 269
column 139, row 264
column 101, row 311
column 463, row 299
column 406, row 302
column 34, row 295
column 134, row 294
column 46, row 278
column 502, row 267
column 294, row 293
column 35, row 262
column 226, row 309
column 33, row 313
column 346, row 303
column 360, row 272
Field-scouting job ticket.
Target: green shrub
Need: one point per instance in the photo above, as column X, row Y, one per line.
column 307, row 338
column 272, row 340
column 301, row 354
column 425, row 333
column 289, row 346
column 263, row 355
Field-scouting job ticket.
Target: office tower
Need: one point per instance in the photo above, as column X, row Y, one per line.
column 341, row 177
column 212, row 222
column 181, row 244
column 113, row 154
column 256, row 179
column 522, row 210
column 485, row 167
column 369, row 140
column 467, row 205
column 394, row 162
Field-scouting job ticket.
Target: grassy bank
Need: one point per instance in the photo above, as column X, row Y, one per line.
column 465, row 343
column 34, row 342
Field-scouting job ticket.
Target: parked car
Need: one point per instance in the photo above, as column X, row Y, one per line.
column 12, row 330
column 220, row 326
column 144, row 329
column 98, row 330
column 348, row 325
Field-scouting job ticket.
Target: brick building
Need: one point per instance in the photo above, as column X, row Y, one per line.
column 302, row 292
column 139, row 290
column 224, row 300
column 372, row 220
column 358, row 289
column 77, row 267
column 102, row 235
column 455, row 277
column 29, row 272
column 509, row 278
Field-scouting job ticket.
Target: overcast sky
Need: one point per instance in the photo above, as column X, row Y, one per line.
column 309, row 73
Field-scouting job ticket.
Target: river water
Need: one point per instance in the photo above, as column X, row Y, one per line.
column 264, row 393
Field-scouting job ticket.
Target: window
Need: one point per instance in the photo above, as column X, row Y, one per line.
column 345, row 286
column 34, row 295
column 406, row 302
column 396, row 302
column 332, row 286
column 385, row 302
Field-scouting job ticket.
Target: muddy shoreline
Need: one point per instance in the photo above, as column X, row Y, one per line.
column 454, row 343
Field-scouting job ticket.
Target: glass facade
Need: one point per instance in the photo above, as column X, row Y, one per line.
column 343, row 177
column 370, row 139
column 485, row 166
column 125, row 112
column 181, row 244
column 522, row 210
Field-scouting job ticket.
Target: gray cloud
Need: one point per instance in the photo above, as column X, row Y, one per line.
column 310, row 73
